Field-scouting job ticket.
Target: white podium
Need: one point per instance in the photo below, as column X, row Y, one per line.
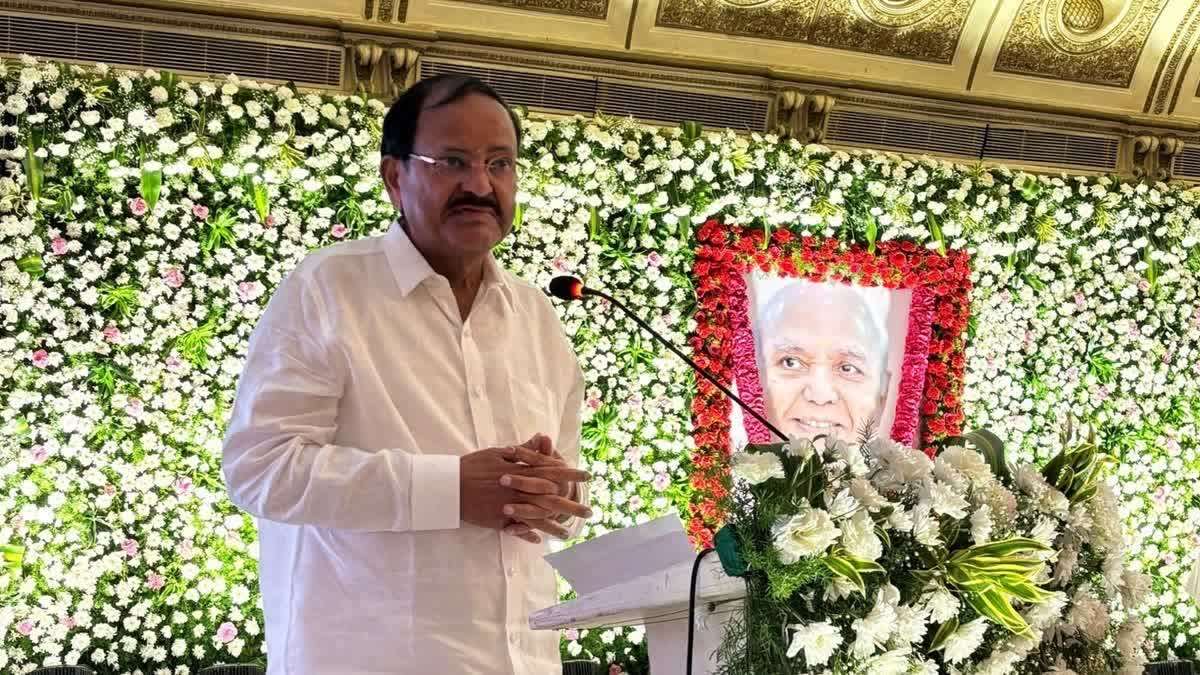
column 641, row 576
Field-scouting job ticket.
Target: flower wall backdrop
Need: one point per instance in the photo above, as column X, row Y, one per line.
column 144, row 222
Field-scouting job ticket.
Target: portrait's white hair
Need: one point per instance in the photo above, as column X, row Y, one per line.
column 837, row 297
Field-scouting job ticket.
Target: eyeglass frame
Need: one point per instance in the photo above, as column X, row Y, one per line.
column 438, row 165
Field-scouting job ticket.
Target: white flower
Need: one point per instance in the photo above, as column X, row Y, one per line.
column 799, row 447
column 757, row 467
column 898, row 466
column 804, row 535
column 894, row 662
column 859, row 538
column 981, row 524
column 943, row 499
column 941, row 604
column 925, row 527
column 818, row 641
column 964, row 641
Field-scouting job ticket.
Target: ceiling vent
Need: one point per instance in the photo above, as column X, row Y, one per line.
column 1187, row 163
column 589, row 95
column 128, row 46
column 865, row 129
column 1012, row 145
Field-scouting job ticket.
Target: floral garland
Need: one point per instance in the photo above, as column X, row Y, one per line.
column 934, row 362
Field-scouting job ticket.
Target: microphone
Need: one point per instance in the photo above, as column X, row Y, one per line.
column 571, row 288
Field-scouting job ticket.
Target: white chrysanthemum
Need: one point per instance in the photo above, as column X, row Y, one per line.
column 859, row 538
column 925, row 527
column 964, row 641
column 941, row 604
column 804, row 535
column 818, row 641
column 899, row 466
column 757, row 467
column 893, row 662
column 944, row 499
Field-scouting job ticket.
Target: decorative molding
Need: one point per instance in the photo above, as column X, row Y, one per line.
column 405, row 69
column 385, row 10
column 1038, row 45
column 588, row 9
column 1151, row 157
column 226, row 26
column 801, row 115
column 1168, row 66
column 369, row 10
column 632, row 72
column 922, row 30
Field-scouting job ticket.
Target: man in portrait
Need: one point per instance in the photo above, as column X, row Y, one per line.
column 823, row 362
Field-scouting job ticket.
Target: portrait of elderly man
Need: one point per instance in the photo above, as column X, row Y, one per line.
column 823, row 362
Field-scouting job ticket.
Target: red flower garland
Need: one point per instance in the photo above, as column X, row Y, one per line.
column 934, row 348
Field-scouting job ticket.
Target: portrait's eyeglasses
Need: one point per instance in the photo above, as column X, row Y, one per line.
column 458, row 167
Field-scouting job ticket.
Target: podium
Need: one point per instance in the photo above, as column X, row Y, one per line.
column 641, row 576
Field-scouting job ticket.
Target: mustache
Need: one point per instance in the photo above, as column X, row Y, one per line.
column 476, row 201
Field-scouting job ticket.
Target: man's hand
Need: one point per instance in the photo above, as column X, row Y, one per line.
column 545, row 505
column 482, row 496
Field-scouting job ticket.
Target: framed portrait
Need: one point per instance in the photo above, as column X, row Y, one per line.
column 822, row 338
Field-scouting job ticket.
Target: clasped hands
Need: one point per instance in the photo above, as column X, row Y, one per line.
column 521, row 490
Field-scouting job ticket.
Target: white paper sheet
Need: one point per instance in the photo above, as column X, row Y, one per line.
column 625, row 554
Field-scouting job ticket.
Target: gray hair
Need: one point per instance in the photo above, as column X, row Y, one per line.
column 841, row 297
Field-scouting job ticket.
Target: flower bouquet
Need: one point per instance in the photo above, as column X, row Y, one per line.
column 873, row 558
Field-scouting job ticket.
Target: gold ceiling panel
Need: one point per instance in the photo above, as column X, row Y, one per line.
column 923, row 30
column 1087, row 41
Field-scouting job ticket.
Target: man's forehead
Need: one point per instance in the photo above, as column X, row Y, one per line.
column 849, row 348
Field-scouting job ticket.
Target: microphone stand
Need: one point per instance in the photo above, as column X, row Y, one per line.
column 583, row 291
column 667, row 343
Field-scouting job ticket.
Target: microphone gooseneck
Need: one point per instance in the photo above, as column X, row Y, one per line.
column 571, row 288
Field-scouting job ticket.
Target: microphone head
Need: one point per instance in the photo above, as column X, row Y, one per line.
column 566, row 288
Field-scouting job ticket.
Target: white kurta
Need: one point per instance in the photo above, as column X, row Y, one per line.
column 362, row 389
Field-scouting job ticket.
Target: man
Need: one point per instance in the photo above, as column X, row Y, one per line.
column 399, row 423
column 823, row 362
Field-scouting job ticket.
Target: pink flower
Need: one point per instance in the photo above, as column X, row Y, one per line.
column 1160, row 495
column 661, row 481
column 1080, row 300
column 129, row 547
column 135, row 407
column 200, row 211
column 636, row 502
column 67, row 620
column 614, row 669
column 59, row 246
column 1170, row 558
column 174, row 363
column 1072, row 374
column 1166, row 357
column 138, row 206
column 1196, row 317
column 562, row 265
column 186, row 549
column 183, row 486
column 1143, row 285
column 25, row 627
column 571, row 634
column 39, row 453
column 226, row 633
column 594, row 403
column 110, row 490
column 174, row 277
column 654, row 259
column 40, row 358
column 272, row 221
column 112, row 333
column 339, row 230
column 155, row 581
column 249, row 291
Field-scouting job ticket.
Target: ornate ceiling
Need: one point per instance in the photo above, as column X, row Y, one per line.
column 1126, row 60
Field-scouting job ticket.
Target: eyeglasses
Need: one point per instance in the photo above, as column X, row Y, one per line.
column 457, row 167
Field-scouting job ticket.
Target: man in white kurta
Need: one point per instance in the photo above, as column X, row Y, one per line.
column 367, row 388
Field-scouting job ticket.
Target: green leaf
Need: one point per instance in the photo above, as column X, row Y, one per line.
column 151, row 187
column 518, row 216
column 936, row 231
column 219, row 231
column 119, row 301
column 261, row 196
column 32, row 265
column 992, row 448
column 33, row 171
column 842, row 567
column 872, row 234
column 994, row 605
column 943, row 633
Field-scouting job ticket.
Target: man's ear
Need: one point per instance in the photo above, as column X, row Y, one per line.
column 393, row 172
